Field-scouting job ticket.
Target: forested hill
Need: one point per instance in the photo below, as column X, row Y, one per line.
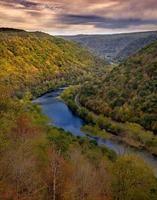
column 41, row 162
column 115, row 47
column 129, row 91
column 38, row 61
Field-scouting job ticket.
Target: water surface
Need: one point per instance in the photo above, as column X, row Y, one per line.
column 61, row 116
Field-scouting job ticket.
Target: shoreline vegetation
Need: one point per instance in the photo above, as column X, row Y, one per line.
column 131, row 134
column 39, row 161
column 37, row 150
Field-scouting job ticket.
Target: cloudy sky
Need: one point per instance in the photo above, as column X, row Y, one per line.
column 79, row 16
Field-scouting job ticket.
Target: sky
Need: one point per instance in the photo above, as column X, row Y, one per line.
column 70, row 17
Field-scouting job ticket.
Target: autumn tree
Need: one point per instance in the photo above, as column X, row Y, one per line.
column 132, row 179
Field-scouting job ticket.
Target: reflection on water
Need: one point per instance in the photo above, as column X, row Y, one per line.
column 61, row 116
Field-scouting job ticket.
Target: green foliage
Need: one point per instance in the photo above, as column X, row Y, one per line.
column 131, row 133
column 132, row 179
column 38, row 62
column 128, row 92
column 95, row 131
column 35, row 158
column 60, row 139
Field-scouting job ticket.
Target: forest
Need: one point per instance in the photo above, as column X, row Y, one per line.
column 38, row 62
column 42, row 162
column 122, row 100
column 128, row 92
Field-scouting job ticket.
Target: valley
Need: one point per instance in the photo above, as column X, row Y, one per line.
column 62, row 117
column 73, row 126
column 117, row 47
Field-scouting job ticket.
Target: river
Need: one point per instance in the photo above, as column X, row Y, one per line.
column 61, row 116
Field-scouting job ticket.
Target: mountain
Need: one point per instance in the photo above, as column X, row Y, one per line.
column 41, row 162
column 115, row 47
column 128, row 92
column 38, row 61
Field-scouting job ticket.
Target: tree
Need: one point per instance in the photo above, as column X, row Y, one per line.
column 54, row 176
column 132, row 179
column 88, row 182
column 24, row 128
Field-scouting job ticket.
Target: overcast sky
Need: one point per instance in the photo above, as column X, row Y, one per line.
column 79, row 16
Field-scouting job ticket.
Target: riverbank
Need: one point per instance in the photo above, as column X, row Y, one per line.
column 61, row 116
column 129, row 133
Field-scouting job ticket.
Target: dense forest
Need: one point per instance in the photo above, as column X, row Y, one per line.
column 38, row 62
column 122, row 100
column 128, row 92
column 42, row 162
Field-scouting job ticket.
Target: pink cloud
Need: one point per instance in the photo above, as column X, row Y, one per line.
column 48, row 15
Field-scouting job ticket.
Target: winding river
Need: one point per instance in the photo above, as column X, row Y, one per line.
column 61, row 116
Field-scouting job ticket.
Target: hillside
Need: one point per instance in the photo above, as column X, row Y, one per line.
column 39, row 161
column 39, row 62
column 115, row 47
column 128, row 92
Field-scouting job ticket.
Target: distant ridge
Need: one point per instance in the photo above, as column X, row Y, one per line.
column 109, row 34
column 115, row 47
column 23, row 33
column 128, row 92
column 5, row 29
